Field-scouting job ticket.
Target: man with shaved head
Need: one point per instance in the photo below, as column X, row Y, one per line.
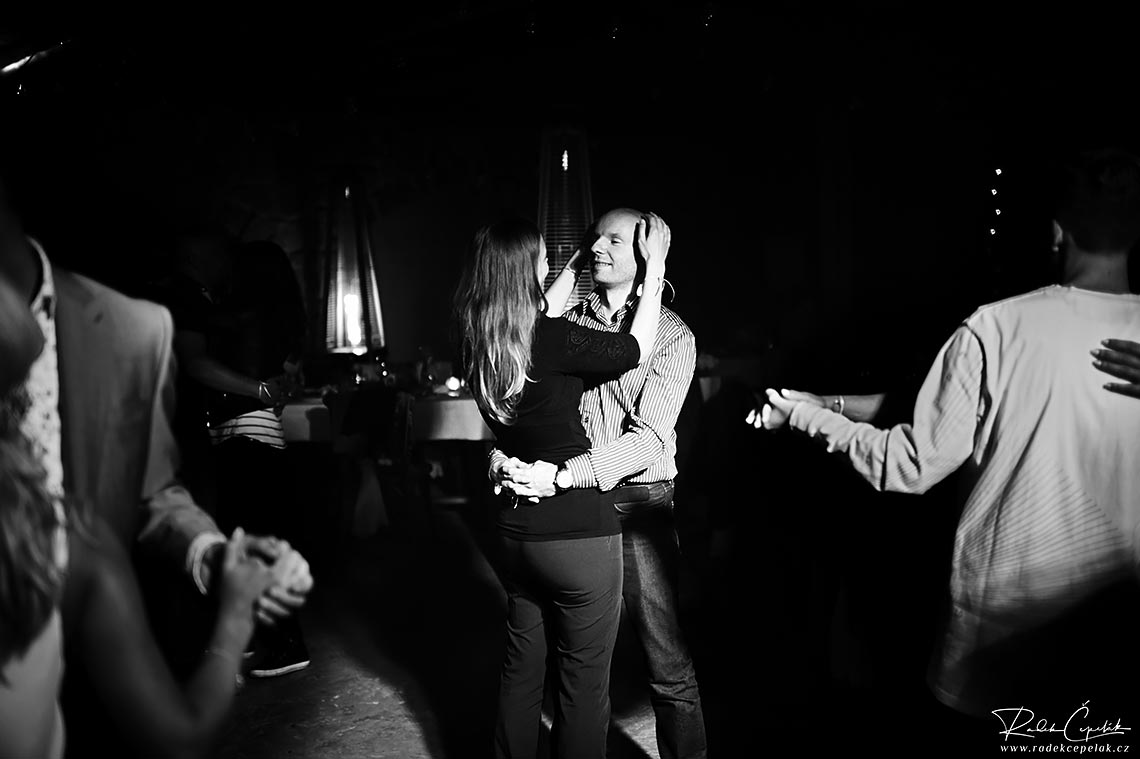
column 630, row 422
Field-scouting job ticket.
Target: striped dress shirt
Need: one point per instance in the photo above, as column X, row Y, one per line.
column 1052, row 513
column 630, row 420
column 262, row 425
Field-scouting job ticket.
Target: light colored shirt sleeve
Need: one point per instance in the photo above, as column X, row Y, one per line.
column 494, row 459
column 581, row 471
column 176, row 528
column 196, row 555
column 912, row 458
column 652, row 419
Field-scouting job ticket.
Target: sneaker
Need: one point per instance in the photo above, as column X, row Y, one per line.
column 281, row 662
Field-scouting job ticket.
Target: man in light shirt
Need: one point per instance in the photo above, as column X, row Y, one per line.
column 1050, row 528
column 631, row 424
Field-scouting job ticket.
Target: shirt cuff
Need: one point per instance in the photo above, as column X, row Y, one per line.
column 819, row 422
column 493, row 460
column 197, row 553
column 581, row 471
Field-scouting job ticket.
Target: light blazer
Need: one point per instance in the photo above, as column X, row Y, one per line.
column 117, row 398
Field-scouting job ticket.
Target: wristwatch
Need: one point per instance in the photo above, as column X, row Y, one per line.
column 563, row 479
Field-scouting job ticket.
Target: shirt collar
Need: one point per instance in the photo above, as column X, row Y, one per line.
column 44, row 302
column 593, row 305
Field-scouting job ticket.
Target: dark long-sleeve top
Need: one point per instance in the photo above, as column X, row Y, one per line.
column 548, row 427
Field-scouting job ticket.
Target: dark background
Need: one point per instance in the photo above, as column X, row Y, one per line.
column 826, row 172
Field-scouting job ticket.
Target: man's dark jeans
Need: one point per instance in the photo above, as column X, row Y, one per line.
column 651, row 556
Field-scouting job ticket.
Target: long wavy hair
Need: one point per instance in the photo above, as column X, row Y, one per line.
column 31, row 580
column 497, row 305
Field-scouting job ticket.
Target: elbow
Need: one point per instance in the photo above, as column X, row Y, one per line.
column 644, row 350
column 915, row 480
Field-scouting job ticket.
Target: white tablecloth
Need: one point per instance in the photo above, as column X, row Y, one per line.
column 439, row 417
column 306, row 420
column 444, row 417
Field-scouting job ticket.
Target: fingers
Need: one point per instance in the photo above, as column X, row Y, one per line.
column 530, row 493
column 519, row 488
column 1118, row 370
column 235, row 549
column 300, row 580
column 267, row 604
column 291, row 570
column 1117, row 363
column 284, row 598
column 797, row 396
column 776, row 399
column 524, row 474
column 518, row 476
column 514, row 469
column 302, row 584
column 1131, row 390
column 1127, row 346
column 658, row 224
column 268, row 546
column 777, row 409
column 1118, row 355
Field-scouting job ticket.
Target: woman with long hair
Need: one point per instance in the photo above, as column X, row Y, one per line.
column 33, row 558
column 561, row 556
column 64, row 576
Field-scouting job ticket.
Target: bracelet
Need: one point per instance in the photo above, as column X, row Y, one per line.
column 239, row 680
column 838, row 404
column 222, row 655
column 263, row 388
column 576, row 272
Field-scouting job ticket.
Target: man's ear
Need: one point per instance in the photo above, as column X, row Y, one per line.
column 1058, row 235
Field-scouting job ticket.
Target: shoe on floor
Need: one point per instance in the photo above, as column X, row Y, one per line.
column 281, row 662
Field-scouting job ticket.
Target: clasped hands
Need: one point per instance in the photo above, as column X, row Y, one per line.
column 531, row 481
column 774, row 414
column 1116, row 358
column 289, row 581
